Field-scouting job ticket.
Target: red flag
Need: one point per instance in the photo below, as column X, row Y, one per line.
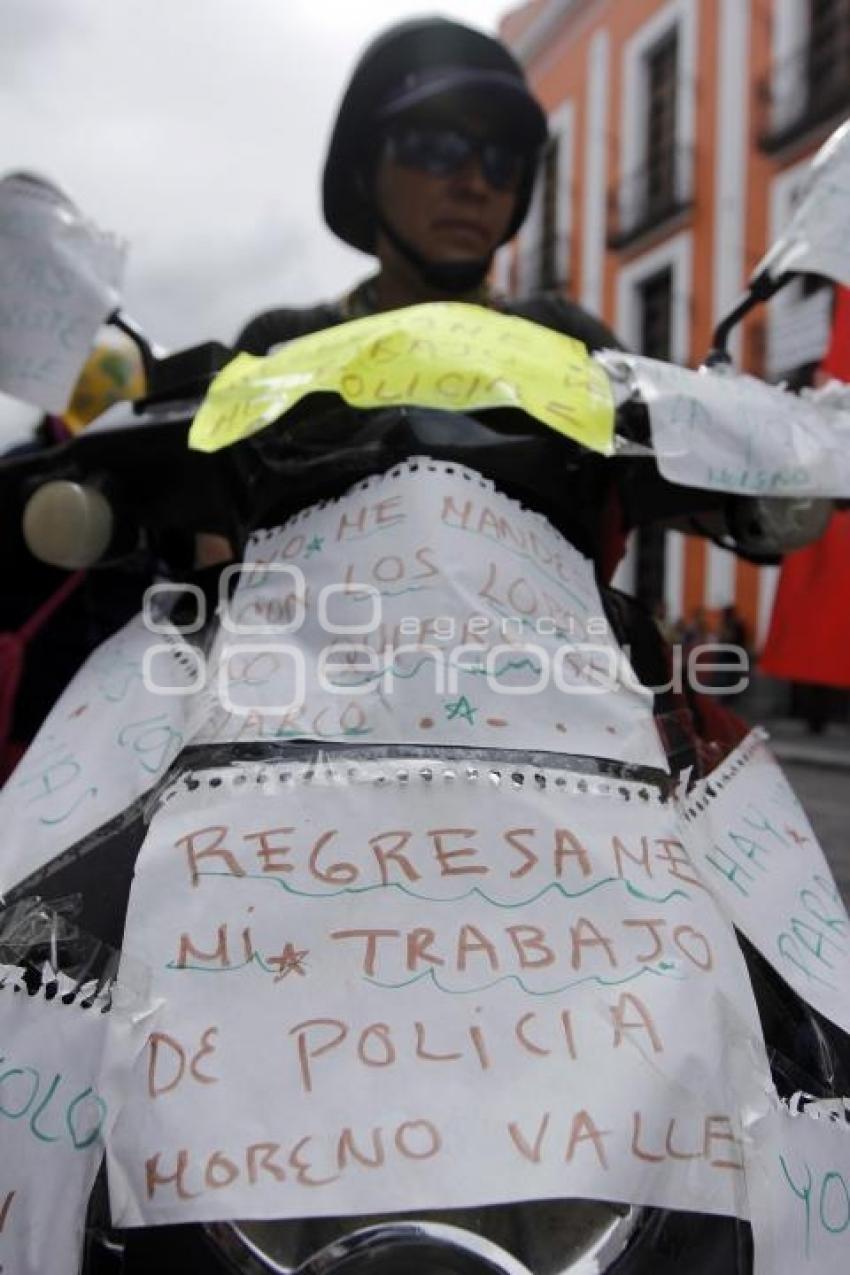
column 809, row 638
column 836, row 361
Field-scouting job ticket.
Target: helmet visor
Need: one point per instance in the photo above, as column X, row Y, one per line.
column 500, row 97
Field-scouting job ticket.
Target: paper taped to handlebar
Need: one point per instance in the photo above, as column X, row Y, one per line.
column 445, row 355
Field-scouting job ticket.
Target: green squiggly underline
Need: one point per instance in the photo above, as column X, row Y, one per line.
column 479, row 670
column 662, row 971
column 391, row 593
column 632, row 889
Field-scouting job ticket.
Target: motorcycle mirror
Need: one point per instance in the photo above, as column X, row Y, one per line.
column 149, row 354
column 814, row 242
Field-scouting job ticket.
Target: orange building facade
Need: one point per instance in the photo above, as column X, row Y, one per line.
column 681, row 131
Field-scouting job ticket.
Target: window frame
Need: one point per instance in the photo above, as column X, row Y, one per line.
column 530, row 241
column 676, row 253
column 681, row 17
column 791, row 309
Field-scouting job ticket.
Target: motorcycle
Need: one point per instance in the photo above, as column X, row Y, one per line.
column 296, row 493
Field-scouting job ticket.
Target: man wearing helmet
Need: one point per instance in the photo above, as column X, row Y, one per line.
column 430, row 168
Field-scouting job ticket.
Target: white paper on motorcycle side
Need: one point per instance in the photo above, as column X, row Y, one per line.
column 429, row 985
column 425, row 607
column 107, row 739
column 798, row 1180
column 60, row 279
column 759, row 854
column 721, row 431
column 62, row 1075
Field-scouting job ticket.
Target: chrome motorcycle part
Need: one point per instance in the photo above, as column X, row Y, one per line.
column 772, row 525
column 576, row 1237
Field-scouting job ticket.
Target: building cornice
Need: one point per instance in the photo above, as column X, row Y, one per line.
column 539, row 32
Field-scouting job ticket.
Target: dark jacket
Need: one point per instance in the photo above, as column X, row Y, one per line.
column 549, row 309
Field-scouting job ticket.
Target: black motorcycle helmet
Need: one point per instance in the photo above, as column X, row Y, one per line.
column 417, row 63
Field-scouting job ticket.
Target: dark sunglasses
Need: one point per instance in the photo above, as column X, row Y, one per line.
column 444, row 151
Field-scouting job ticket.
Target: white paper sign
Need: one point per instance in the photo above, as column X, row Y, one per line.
column 62, row 1070
column 105, row 742
column 429, row 985
column 722, row 431
column 816, row 240
column 798, row 1179
column 425, row 607
column 760, row 856
column 59, row 280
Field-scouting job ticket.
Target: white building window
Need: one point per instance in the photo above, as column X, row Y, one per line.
column 789, row 35
column 810, row 78
column 657, row 279
column 653, row 317
column 799, row 318
column 544, row 243
column 657, row 127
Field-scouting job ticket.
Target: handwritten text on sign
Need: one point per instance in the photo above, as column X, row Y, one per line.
column 59, row 278
column 107, row 740
column 725, row 432
column 446, row 355
column 759, row 854
column 53, row 1120
column 345, row 962
column 425, row 607
column 798, row 1180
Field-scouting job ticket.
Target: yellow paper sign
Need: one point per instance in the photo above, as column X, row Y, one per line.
column 446, row 355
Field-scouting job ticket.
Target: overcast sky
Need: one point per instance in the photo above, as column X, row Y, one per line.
column 196, row 130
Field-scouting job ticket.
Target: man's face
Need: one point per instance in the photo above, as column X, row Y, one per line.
column 458, row 216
